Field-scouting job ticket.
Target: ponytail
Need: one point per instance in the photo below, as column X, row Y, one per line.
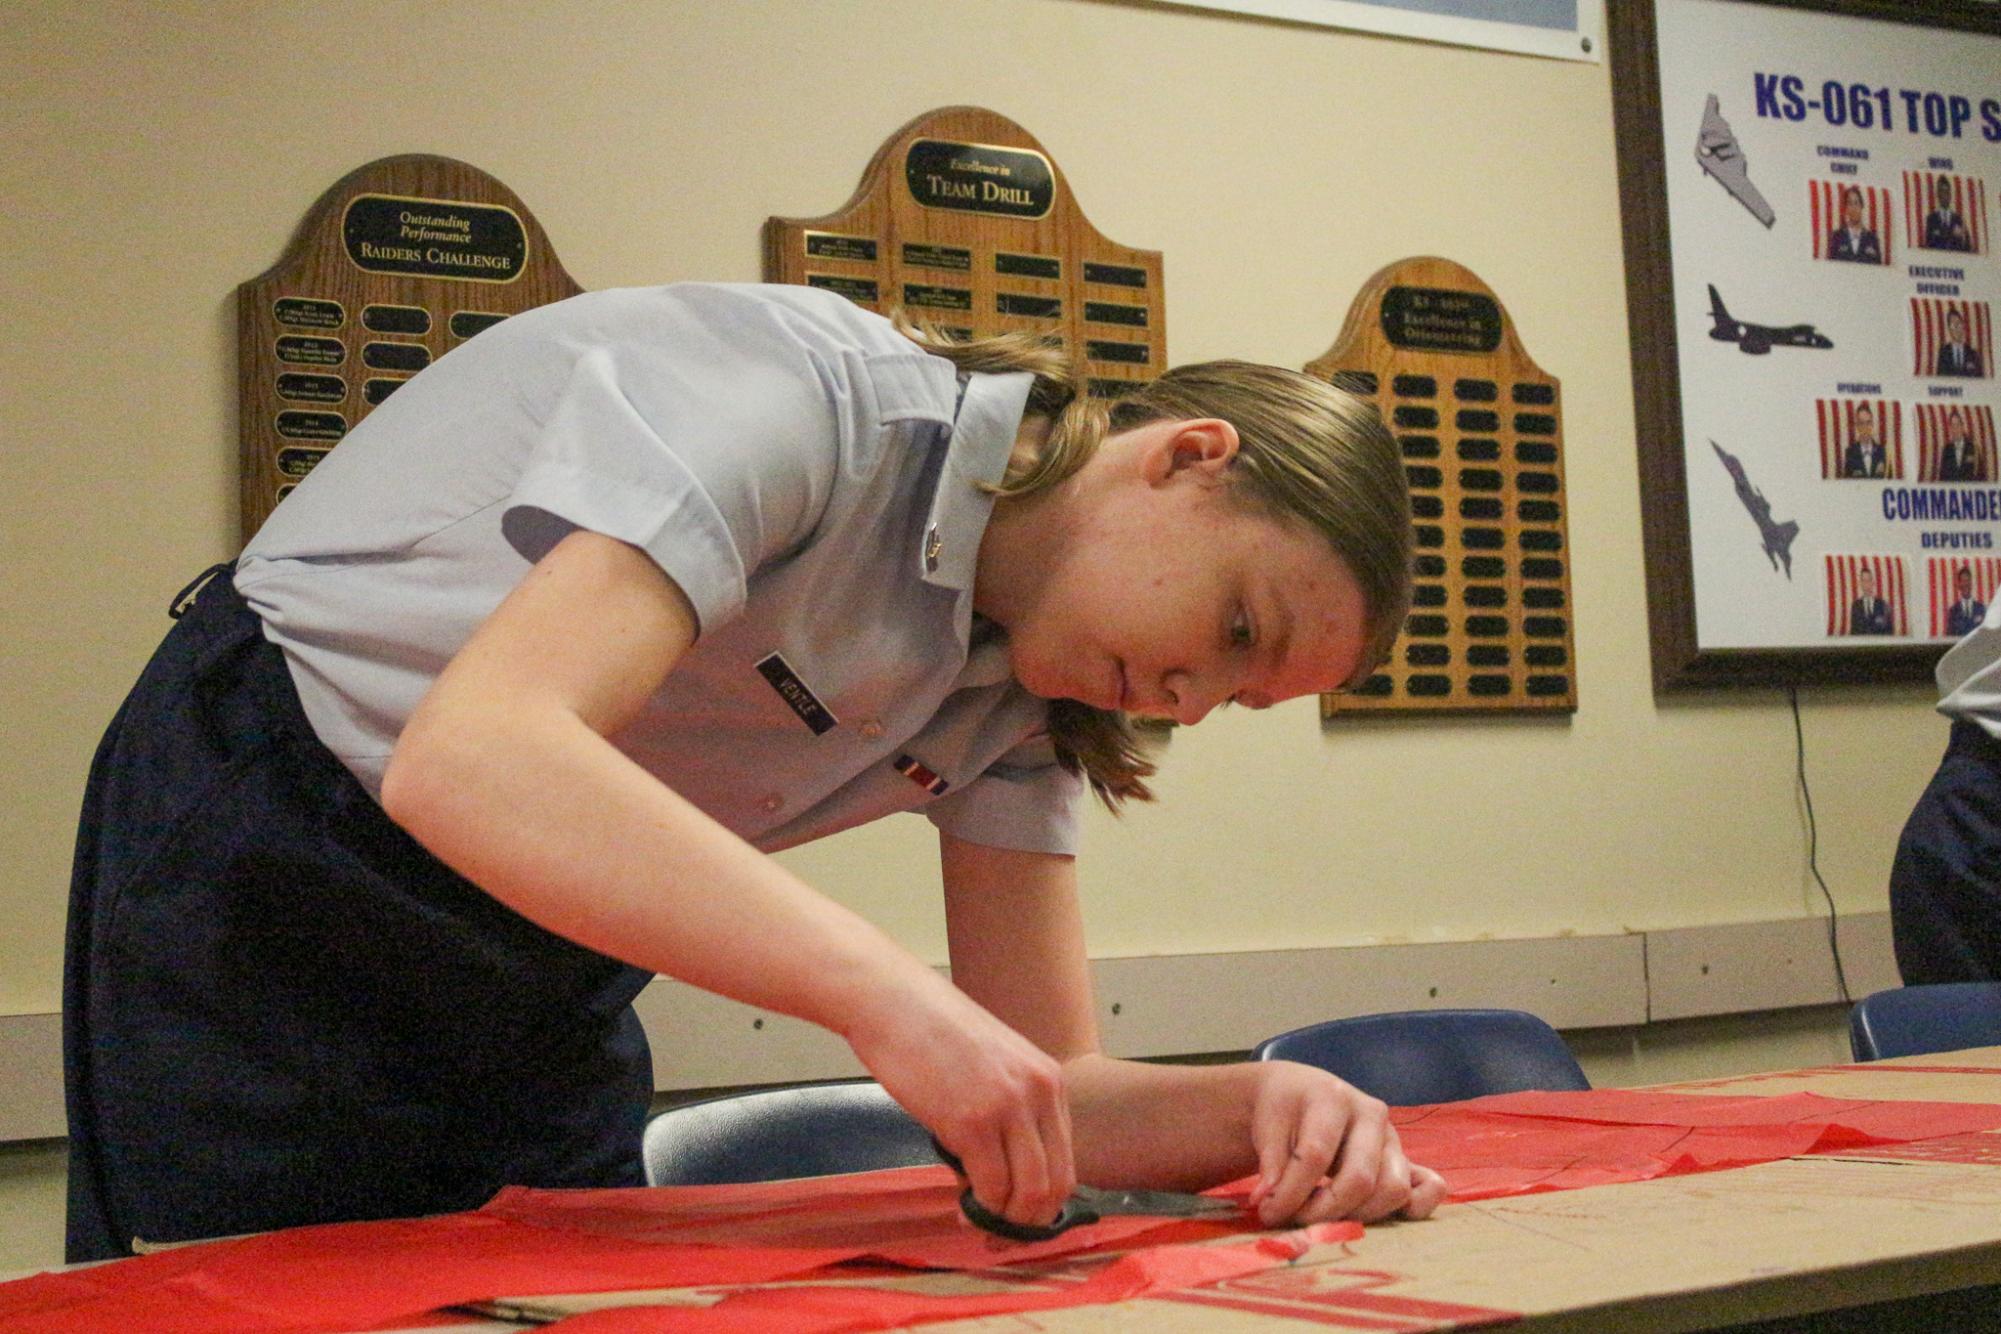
column 1098, row 744
column 1307, row 451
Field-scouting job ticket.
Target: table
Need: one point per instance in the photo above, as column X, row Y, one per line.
column 1781, row 1239
column 1786, row 1238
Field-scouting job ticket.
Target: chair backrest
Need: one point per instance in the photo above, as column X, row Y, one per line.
column 774, row 1134
column 1909, row 1021
column 1422, row 1056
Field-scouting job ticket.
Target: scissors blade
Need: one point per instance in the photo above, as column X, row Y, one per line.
column 1087, row 1204
column 1165, row 1203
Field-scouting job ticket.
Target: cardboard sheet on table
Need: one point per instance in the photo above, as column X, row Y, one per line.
column 1518, row 1143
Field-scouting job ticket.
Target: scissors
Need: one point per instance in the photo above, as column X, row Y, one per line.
column 1087, row 1204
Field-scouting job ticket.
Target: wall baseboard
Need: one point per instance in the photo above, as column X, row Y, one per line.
column 31, row 1077
column 1194, row 1004
column 1742, row 967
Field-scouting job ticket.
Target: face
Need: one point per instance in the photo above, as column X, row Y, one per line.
column 1851, row 209
column 1867, row 582
column 1944, row 192
column 1962, row 583
column 1865, row 425
column 1955, row 427
column 1955, row 328
column 1161, row 593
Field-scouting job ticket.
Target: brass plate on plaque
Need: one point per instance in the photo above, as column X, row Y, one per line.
column 962, row 217
column 396, row 265
column 1481, row 429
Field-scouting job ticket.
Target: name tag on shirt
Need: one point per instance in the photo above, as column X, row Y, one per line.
column 793, row 691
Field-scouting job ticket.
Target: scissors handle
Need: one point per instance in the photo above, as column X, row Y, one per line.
column 1073, row 1214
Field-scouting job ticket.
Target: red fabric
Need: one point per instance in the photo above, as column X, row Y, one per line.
column 907, row 1217
column 350, row 1276
column 841, row 1310
column 360, row 1275
column 1519, row 1143
column 356, row 1275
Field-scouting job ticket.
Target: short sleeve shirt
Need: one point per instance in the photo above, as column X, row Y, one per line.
column 809, row 478
column 1969, row 675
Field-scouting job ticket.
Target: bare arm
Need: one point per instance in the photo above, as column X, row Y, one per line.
column 1321, row 1148
column 504, row 772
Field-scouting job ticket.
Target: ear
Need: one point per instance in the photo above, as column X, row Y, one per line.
column 1189, row 448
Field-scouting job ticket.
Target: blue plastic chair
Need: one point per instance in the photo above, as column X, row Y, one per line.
column 806, row 1130
column 1910, row 1021
column 1423, row 1056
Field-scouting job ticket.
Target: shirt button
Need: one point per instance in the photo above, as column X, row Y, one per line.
column 871, row 729
column 772, row 802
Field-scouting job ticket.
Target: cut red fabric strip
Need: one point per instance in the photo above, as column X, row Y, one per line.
column 1519, row 1143
column 906, row 1216
column 845, row 1310
column 1902, row 1118
column 1879, row 1067
column 356, row 1275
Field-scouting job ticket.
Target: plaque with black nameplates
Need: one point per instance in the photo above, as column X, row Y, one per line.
column 861, row 291
column 295, row 461
column 950, row 258
column 465, row 323
column 1115, row 312
column 299, row 313
column 394, row 266
column 1028, row 266
column 297, row 387
column 296, row 425
column 1023, row 306
column 964, row 222
column 929, row 296
column 300, row 351
column 407, row 357
column 1115, row 275
column 396, row 320
column 831, row 245
column 1479, row 427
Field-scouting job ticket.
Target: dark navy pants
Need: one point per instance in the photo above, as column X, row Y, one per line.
column 279, row 1009
column 1945, row 886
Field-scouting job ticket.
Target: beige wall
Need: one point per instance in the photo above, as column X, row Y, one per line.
column 160, row 153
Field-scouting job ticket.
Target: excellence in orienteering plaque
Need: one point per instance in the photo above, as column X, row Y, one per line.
column 1481, row 429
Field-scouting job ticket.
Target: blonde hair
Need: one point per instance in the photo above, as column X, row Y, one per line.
column 1308, row 452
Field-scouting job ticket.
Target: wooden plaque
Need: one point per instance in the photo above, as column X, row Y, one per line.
column 963, row 219
column 396, row 265
column 1481, row 428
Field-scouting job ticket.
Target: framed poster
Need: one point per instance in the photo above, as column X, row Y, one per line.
column 1562, row 29
column 1809, row 190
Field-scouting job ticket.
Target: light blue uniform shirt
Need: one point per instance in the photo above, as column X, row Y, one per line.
column 1969, row 675
column 788, row 459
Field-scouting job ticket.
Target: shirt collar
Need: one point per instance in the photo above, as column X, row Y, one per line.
column 990, row 409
